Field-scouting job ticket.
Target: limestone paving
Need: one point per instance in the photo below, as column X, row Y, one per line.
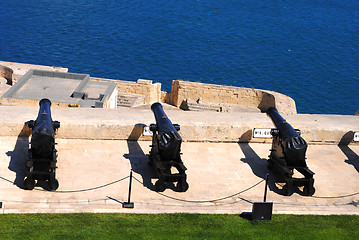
column 93, row 177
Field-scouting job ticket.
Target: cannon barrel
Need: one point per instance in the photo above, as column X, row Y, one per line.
column 168, row 139
column 294, row 146
column 43, row 131
column 285, row 129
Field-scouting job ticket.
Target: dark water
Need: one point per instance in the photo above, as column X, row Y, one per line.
column 307, row 49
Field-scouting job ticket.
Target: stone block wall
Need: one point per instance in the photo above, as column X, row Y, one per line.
column 151, row 91
column 213, row 93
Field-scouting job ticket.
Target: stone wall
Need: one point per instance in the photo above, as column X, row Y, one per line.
column 211, row 93
column 151, row 91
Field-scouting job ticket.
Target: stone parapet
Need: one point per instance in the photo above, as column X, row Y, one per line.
column 125, row 123
column 183, row 91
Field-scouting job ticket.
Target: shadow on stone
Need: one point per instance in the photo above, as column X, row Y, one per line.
column 140, row 163
column 260, row 169
column 138, row 159
column 353, row 158
column 136, row 132
column 116, row 200
column 246, row 137
column 18, row 157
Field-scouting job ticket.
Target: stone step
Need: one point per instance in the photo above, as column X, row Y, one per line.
column 203, row 107
column 196, row 106
column 130, row 99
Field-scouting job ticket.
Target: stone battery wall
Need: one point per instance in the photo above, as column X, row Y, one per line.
column 212, row 93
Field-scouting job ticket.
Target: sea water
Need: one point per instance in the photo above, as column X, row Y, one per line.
column 307, row 49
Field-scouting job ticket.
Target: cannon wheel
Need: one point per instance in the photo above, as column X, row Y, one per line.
column 53, row 184
column 29, row 183
column 288, row 189
column 182, row 186
column 308, row 190
column 160, row 186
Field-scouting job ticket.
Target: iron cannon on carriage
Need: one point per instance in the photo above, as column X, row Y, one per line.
column 288, row 153
column 165, row 154
column 42, row 158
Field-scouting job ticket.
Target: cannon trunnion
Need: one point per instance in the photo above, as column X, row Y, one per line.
column 165, row 154
column 288, row 153
column 41, row 164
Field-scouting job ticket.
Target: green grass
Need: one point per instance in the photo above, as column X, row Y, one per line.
column 175, row 226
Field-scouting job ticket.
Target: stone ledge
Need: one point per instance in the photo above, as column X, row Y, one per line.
column 195, row 126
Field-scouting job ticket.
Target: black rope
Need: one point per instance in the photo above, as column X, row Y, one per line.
column 93, row 188
column 57, row 202
column 7, row 180
column 80, row 190
column 204, row 201
column 341, row 196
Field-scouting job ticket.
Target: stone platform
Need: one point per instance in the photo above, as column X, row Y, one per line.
column 93, row 177
column 98, row 148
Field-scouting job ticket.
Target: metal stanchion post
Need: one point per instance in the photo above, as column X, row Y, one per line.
column 265, row 190
column 129, row 204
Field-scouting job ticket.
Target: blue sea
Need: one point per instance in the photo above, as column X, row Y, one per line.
column 307, row 49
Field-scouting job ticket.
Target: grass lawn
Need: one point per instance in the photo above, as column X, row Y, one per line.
column 175, row 226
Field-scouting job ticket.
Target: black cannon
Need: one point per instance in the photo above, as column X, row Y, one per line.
column 41, row 164
column 165, row 153
column 288, row 153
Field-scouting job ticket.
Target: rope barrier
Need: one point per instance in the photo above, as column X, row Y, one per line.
column 178, row 199
column 57, row 202
column 7, row 180
column 93, row 188
column 205, row 201
column 341, row 196
column 80, row 190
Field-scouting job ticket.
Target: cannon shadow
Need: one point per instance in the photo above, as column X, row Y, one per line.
column 140, row 163
column 353, row 158
column 138, row 159
column 259, row 167
column 18, row 157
